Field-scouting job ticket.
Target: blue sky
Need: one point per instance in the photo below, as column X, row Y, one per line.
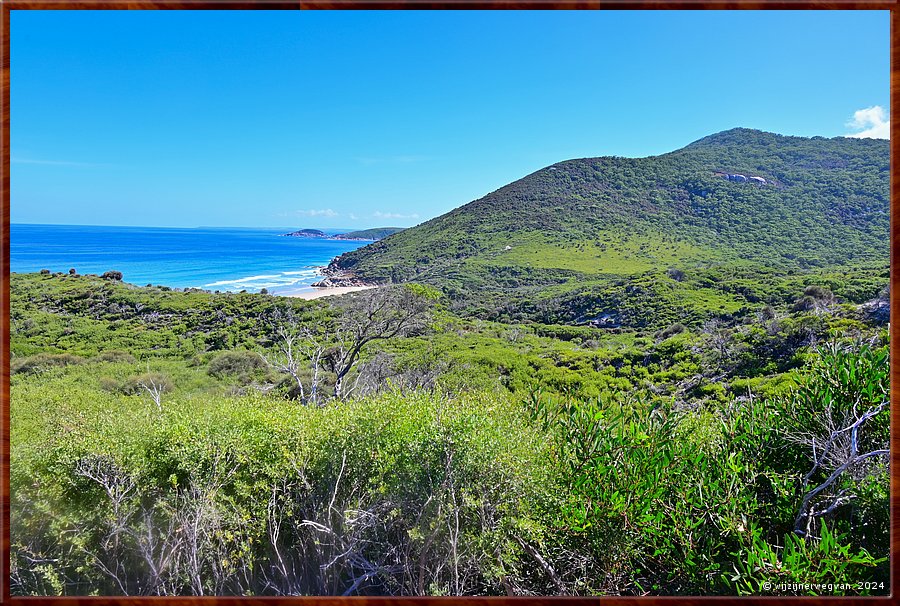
column 358, row 119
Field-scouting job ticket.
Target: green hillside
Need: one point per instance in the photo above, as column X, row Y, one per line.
column 375, row 233
column 558, row 240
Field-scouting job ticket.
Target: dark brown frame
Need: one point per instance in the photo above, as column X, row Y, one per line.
column 8, row 5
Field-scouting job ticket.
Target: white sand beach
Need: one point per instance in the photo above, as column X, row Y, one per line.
column 330, row 291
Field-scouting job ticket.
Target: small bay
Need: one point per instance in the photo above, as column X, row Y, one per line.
column 211, row 258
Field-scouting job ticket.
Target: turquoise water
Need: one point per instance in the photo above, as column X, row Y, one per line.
column 225, row 259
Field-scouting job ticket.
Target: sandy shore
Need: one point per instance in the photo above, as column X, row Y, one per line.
column 315, row 293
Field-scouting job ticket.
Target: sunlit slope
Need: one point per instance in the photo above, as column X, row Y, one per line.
column 739, row 198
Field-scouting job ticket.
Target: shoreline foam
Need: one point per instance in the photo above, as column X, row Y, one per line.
column 325, row 291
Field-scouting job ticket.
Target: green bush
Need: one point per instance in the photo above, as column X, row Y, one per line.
column 116, row 355
column 676, row 501
column 138, row 384
column 830, row 565
column 237, row 362
column 440, row 495
column 42, row 361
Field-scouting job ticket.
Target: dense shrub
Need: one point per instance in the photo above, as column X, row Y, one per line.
column 42, row 361
column 116, row 355
column 444, row 497
column 237, row 362
column 678, row 515
column 138, row 384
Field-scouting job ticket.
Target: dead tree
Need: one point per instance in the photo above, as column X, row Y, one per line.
column 841, row 449
column 334, row 344
column 298, row 348
column 842, row 416
column 154, row 388
column 373, row 315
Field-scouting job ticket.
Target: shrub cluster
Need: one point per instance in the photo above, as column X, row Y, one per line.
column 42, row 361
column 397, row 495
column 240, row 363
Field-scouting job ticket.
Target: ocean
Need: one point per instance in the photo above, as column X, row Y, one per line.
column 211, row 258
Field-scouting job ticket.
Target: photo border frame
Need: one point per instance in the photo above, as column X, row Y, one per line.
column 6, row 6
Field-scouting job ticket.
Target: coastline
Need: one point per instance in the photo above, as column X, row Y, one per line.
column 317, row 292
column 332, row 282
column 211, row 259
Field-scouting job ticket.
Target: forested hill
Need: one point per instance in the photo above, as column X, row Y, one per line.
column 740, row 197
column 375, row 233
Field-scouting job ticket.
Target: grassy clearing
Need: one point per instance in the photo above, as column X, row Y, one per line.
column 608, row 254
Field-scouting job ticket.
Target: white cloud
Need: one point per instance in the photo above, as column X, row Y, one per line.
column 872, row 122
column 380, row 215
column 326, row 212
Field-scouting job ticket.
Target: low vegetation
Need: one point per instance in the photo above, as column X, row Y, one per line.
column 163, row 443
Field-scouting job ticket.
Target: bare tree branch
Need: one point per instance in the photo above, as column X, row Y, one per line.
column 807, row 514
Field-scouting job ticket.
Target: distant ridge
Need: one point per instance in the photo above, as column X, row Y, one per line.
column 374, row 234
column 307, row 233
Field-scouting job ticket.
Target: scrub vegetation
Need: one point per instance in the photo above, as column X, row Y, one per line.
column 651, row 391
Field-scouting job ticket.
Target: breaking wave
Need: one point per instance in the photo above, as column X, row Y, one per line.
column 272, row 282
